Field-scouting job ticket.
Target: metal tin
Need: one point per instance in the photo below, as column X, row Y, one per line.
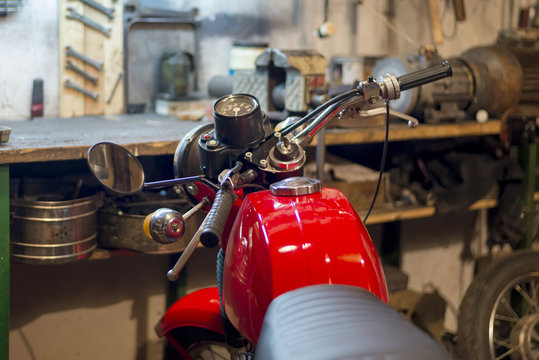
column 50, row 232
column 4, row 134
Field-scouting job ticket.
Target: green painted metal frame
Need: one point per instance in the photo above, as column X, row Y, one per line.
column 4, row 262
column 528, row 161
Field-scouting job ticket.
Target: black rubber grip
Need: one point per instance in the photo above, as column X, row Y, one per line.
column 424, row 76
column 211, row 234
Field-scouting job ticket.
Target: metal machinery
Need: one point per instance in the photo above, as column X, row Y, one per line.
column 486, row 81
column 282, row 80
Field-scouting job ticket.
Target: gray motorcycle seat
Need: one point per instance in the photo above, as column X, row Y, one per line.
column 329, row 322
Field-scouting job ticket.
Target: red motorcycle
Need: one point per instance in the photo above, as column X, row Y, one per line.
column 298, row 275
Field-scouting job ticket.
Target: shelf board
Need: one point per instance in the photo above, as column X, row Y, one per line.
column 400, row 132
column 389, row 214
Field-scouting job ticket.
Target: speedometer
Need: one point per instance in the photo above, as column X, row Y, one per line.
column 236, row 105
column 238, row 120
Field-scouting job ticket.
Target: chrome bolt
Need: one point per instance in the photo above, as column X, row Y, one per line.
column 192, row 189
column 263, row 164
column 249, row 155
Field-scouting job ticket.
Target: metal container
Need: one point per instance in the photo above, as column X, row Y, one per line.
column 52, row 232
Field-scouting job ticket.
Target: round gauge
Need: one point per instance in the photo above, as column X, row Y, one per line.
column 235, row 105
column 238, row 120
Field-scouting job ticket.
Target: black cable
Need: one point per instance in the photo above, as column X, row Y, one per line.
column 256, row 186
column 382, row 164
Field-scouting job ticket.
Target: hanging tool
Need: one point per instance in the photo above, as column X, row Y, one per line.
column 8, row 7
column 437, row 34
column 81, row 72
column 74, row 15
column 98, row 65
column 109, row 12
column 92, row 95
column 115, row 86
column 460, row 10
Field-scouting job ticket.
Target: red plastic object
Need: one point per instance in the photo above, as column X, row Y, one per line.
column 200, row 308
column 279, row 244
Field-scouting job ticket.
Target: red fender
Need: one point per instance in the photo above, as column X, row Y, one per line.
column 200, row 309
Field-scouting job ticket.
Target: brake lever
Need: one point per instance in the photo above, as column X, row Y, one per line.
column 412, row 121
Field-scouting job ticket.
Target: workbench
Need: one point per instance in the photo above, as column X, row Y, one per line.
column 44, row 139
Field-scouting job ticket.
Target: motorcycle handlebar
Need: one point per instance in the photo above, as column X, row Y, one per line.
column 424, row 76
column 216, row 219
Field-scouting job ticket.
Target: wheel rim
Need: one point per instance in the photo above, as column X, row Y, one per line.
column 211, row 350
column 514, row 320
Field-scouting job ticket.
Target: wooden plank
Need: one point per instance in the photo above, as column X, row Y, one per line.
column 401, row 132
column 114, row 61
column 388, row 214
column 70, row 32
column 99, row 47
column 94, row 47
column 384, row 215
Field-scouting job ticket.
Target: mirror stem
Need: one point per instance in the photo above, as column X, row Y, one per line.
column 180, row 181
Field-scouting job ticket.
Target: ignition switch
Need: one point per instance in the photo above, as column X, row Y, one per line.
column 286, row 155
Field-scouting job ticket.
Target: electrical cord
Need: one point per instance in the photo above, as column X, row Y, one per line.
column 382, row 164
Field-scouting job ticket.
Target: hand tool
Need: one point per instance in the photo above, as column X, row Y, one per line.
column 437, row 34
column 81, row 72
column 93, row 63
column 109, row 12
column 92, row 95
column 118, row 79
column 8, row 7
column 74, row 15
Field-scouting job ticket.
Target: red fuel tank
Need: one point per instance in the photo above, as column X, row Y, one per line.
column 280, row 243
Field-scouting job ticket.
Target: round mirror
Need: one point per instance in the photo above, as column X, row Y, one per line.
column 116, row 168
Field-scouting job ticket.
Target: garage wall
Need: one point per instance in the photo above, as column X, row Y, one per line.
column 29, row 38
column 107, row 309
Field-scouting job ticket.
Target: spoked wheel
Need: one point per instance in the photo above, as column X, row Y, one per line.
column 210, row 350
column 499, row 315
column 202, row 344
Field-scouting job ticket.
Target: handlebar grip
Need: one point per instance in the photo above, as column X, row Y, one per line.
column 211, row 234
column 424, row 76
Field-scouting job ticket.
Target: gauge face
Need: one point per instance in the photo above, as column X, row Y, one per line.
column 235, row 105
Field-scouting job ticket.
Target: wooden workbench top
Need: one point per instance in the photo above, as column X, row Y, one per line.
column 48, row 139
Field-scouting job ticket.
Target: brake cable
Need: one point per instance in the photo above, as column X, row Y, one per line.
column 382, row 164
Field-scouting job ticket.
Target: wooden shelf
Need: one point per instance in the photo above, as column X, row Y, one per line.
column 389, row 214
column 400, row 132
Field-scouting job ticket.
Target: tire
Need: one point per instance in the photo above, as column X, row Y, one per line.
column 201, row 344
column 499, row 314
